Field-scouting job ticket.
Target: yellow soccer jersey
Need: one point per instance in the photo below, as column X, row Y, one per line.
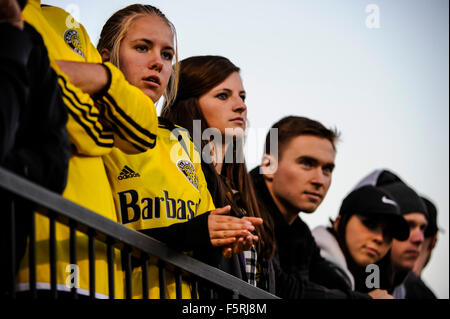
column 123, row 117
column 158, row 188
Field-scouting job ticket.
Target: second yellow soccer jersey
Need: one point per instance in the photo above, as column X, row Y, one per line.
column 159, row 188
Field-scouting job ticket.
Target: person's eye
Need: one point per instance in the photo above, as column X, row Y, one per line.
column 371, row 225
column 306, row 163
column 141, row 48
column 222, row 96
column 243, row 98
column 167, row 56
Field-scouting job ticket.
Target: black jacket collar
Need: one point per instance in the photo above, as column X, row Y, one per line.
column 266, row 199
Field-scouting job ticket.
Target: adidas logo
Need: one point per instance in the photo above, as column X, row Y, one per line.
column 127, row 173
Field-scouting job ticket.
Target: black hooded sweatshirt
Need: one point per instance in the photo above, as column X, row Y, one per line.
column 300, row 271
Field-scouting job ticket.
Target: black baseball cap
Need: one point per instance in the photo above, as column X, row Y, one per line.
column 372, row 201
column 406, row 197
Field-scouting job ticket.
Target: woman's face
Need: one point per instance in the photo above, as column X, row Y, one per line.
column 224, row 106
column 367, row 239
column 146, row 54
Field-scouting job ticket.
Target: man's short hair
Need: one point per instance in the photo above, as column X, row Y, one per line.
column 292, row 126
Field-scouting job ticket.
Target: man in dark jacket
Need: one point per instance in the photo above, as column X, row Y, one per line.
column 414, row 285
column 296, row 179
column 33, row 139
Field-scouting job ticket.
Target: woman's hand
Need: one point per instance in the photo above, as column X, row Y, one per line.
column 231, row 232
column 225, row 230
column 380, row 294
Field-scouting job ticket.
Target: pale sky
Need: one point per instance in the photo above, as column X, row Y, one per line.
column 385, row 89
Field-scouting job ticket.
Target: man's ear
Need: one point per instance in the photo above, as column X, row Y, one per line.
column 106, row 55
column 433, row 242
column 336, row 223
column 269, row 166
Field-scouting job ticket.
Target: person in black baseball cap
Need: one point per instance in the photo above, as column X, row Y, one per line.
column 430, row 234
column 404, row 254
column 362, row 234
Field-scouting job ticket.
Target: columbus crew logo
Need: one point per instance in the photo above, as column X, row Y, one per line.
column 188, row 170
column 72, row 38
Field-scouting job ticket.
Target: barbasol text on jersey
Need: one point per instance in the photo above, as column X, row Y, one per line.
column 133, row 209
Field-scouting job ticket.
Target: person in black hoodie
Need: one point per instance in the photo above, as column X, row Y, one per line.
column 362, row 235
column 415, row 287
column 404, row 254
column 296, row 179
column 33, row 139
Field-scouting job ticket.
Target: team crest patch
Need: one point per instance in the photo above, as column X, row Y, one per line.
column 188, row 170
column 72, row 38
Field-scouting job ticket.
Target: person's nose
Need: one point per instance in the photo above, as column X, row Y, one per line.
column 378, row 236
column 417, row 236
column 239, row 105
column 318, row 179
column 155, row 62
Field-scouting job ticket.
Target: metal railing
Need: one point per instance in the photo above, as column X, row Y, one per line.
column 114, row 235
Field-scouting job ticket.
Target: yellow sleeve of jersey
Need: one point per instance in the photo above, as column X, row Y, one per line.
column 87, row 134
column 130, row 112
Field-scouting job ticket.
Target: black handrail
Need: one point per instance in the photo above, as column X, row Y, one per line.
column 106, row 230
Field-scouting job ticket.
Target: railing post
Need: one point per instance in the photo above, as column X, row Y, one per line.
column 32, row 256
column 178, row 283
column 194, row 284
column 12, row 225
column 91, row 244
column 73, row 257
column 127, row 253
column 144, row 276
column 110, row 257
column 162, row 279
column 52, row 239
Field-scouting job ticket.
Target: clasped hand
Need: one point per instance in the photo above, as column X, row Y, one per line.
column 232, row 233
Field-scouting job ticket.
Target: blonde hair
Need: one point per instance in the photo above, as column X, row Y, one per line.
column 116, row 28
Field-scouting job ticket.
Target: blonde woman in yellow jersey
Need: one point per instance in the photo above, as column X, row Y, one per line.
column 161, row 192
column 118, row 115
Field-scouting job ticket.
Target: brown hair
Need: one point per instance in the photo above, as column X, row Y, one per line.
column 293, row 126
column 116, row 28
column 198, row 75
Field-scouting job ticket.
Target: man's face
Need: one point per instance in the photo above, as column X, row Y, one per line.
column 405, row 253
column 303, row 175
